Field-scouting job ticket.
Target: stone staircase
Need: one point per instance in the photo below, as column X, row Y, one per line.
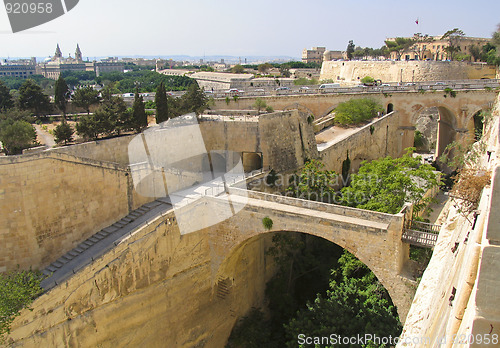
column 101, row 242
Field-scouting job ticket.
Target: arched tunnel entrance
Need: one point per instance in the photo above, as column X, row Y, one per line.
column 251, row 161
column 434, row 129
column 277, row 273
column 447, row 129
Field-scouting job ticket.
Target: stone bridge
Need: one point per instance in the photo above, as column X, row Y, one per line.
column 456, row 113
column 159, row 287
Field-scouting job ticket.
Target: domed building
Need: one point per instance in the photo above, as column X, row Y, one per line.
column 53, row 67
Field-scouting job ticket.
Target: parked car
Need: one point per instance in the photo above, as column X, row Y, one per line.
column 234, row 91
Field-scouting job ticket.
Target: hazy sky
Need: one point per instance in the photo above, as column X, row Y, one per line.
column 241, row 28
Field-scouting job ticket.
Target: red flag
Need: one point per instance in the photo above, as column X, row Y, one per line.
column 416, row 21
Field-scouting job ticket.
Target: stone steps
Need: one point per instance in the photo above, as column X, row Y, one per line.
column 99, row 236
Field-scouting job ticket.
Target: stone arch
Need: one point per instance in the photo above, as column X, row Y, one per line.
column 300, row 107
column 389, row 108
column 447, row 129
column 251, row 161
column 472, row 112
column 223, row 271
column 330, row 109
column 448, row 124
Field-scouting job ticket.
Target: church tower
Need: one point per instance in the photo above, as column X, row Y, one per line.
column 78, row 54
column 58, row 53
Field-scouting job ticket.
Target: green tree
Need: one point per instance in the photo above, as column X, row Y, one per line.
column 161, row 104
column 418, row 44
column 88, row 127
column 111, row 117
column 368, row 81
column 17, row 291
column 6, row 101
column 399, row 45
column 63, row 133
column 194, row 100
column 314, row 183
column 139, row 116
column 32, row 98
column 386, row 184
column 238, row 69
column 264, row 67
column 85, row 97
column 16, row 135
column 114, row 115
column 453, row 36
column 356, row 304
column 355, row 111
column 62, row 94
column 259, row 104
column 350, row 49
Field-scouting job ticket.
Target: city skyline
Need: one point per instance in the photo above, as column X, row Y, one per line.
column 222, row 28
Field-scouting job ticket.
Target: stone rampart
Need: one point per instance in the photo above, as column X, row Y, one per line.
column 379, row 138
column 351, row 72
column 457, row 302
column 50, row 202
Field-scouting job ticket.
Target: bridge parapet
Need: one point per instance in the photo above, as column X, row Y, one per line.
column 319, row 206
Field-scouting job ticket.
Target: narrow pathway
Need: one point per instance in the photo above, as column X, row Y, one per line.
column 101, row 242
column 44, row 137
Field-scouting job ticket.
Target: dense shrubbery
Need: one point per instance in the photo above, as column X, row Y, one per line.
column 147, row 81
column 353, row 303
column 17, row 291
column 386, row 184
column 356, row 111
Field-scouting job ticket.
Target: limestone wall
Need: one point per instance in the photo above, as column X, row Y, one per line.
column 377, row 139
column 51, row 202
column 287, row 139
column 284, row 139
column 406, row 71
column 107, row 150
column 458, row 294
column 155, row 289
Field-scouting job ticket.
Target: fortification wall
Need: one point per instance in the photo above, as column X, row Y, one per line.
column 285, row 139
column 107, row 150
column 50, row 203
column 379, row 138
column 457, row 300
column 407, row 71
column 154, row 289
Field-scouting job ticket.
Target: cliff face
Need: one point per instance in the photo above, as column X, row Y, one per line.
column 458, row 302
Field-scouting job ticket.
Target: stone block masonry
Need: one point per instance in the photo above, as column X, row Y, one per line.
column 50, row 202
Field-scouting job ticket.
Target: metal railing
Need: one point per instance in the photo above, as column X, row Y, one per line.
column 390, row 88
column 423, row 226
column 217, row 188
column 420, row 233
column 419, row 238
